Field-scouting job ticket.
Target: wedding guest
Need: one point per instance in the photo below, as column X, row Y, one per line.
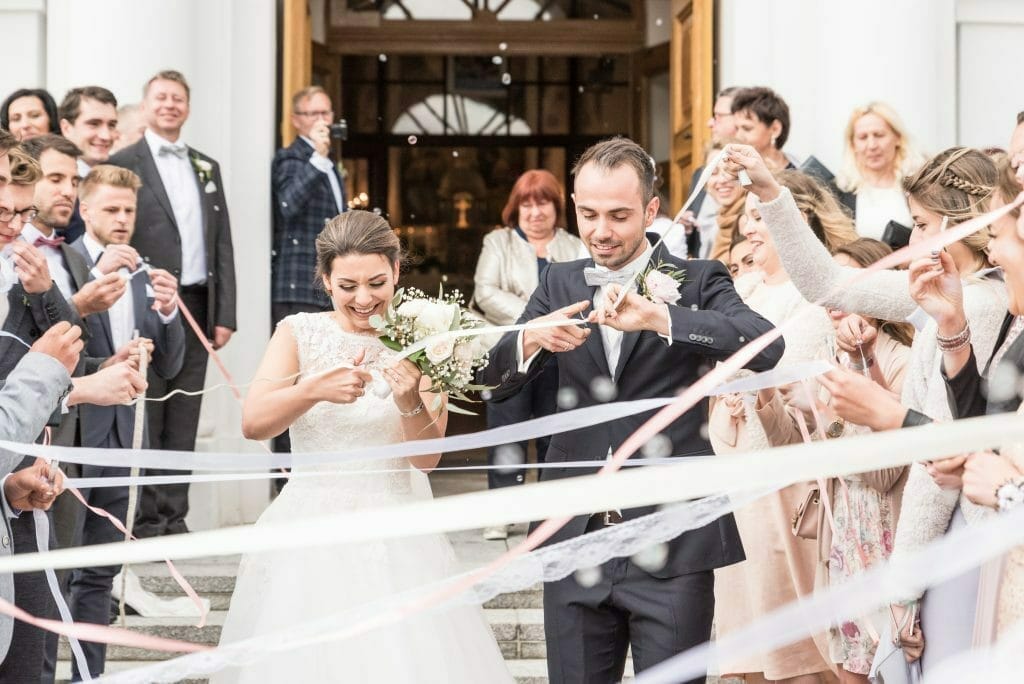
column 29, row 112
column 782, row 569
column 512, row 262
column 741, row 258
column 1016, row 151
column 877, row 156
column 148, row 306
column 989, row 479
column 722, row 125
column 308, row 192
column 131, row 125
column 184, row 211
column 865, row 506
column 88, row 118
column 958, row 184
column 762, row 121
column 728, row 196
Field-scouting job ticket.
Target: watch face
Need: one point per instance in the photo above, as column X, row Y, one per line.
column 835, row 428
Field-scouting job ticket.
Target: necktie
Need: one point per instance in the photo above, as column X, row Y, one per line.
column 179, row 151
column 54, row 242
column 598, row 277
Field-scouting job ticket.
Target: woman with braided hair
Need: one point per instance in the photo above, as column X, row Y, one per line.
column 952, row 187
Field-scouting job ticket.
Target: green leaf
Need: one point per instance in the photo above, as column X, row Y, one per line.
column 436, row 403
column 390, row 343
column 458, row 409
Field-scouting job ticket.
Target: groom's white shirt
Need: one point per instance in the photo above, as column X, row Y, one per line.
column 610, row 337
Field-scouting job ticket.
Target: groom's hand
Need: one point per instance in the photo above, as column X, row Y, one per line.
column 561, row 339
column 634, row 313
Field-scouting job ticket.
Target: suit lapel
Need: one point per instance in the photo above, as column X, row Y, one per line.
column 151, row 176
column 208, row 234
column 76, row 266
column 103, row 316
column 630, row 339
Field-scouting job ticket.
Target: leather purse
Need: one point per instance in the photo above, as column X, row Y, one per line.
column 808, row 515
column 896, row 235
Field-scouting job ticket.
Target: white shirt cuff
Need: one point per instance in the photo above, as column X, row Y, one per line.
column 64, row 408
column 321, row 162
column 523, row 364
column 167, row 319
column 15, row 512
column 668, row 320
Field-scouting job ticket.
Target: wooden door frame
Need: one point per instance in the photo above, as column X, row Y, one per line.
column 647, row 63
column 689, row 132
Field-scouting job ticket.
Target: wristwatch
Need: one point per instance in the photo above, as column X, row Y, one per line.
column 1010, row 494
column 835, row 428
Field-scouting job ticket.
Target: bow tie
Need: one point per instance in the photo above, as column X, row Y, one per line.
column 54, row 242
column 179, row 151
column 598, row 277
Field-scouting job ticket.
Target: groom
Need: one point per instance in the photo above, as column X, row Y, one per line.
column 642, row 350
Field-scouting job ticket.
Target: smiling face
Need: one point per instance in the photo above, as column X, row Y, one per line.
column 928, row 224
column 166, row 107
column 723, row 189
column 762, row 249
column 57, row 190
column 611, row 213
column 28, row 118
column 537, row 218
column 1006, row 250
column 751, row 131
column 741, row 259
column 94, row 131
column 361, row 286
column 875, row 144
column 109, row 214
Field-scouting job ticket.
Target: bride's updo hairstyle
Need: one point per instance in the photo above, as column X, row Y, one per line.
column 355, row 232
column 958, row 183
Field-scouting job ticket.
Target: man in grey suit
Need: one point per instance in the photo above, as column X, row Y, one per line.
column 183, row 228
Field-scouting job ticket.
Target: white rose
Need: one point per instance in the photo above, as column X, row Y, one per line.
column 483, row 343
column 464, row 352
column 411, row 308
column 439, row 351
column 662, row 288
column 434, row 318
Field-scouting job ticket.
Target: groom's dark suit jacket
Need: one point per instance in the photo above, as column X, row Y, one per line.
column 709, row 323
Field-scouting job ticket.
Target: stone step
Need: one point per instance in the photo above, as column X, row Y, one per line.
column 519, row 632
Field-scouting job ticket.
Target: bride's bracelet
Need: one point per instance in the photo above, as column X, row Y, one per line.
column 415, row 412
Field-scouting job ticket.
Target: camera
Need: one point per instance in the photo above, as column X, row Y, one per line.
column 339, row 131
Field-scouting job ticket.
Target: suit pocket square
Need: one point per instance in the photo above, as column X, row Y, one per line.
column 210, row 187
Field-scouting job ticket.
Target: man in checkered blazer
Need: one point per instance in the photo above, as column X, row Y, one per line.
column 308, row 192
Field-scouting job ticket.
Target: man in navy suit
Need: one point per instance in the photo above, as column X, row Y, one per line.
column 641, row 350
column 308, row 192
column 148, row 306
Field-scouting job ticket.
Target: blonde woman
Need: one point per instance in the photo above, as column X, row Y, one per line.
column 876, row 158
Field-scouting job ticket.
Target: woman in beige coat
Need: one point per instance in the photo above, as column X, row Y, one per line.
column 511, row 263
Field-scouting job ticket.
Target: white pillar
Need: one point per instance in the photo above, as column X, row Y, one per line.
column 825, row 58
column 226, row 50
column 23, row 48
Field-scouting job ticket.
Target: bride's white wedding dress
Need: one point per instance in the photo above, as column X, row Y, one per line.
column 276, row 591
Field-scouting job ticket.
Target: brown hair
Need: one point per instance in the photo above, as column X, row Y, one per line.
column 58, row 143
column 24, row 169
column 765, row 105
column 107, row 174
column 957, row 183
column 614, row 152
column 537, row 185
column 71, row 106
column 301, row 95
column 864, row 252
column 7, row 140
column 169, row 75
column 824, row 214
column 355, row 232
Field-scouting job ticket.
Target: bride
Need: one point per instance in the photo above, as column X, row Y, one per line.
column 358, row 258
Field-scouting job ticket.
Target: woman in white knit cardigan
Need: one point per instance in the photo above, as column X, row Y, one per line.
column 952, row 187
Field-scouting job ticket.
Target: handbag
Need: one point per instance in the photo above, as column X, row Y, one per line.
column 890, row 665
column 896, row 235
column 808, row 515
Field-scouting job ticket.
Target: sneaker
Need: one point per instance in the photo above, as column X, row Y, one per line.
column 496, row 533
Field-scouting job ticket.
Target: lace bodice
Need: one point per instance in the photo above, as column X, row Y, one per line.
column 368, row 421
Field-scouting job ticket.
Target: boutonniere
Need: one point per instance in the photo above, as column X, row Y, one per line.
column 660, row 283
column 204, row 170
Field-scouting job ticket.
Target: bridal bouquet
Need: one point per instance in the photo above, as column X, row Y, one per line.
column 430, row 326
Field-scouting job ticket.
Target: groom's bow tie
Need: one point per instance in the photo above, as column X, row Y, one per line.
column 179, row 151
column 598, row 277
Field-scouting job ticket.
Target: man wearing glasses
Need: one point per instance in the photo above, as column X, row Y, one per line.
column 308, row 192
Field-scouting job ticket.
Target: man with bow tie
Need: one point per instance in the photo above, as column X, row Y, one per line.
column 645, row 346
column 182, row 226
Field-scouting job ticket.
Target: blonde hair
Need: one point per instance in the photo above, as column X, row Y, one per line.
column 907, row 159
column 1008, row 186
column 24, row 169
column 957, row 183
column 107, row 174
column 305, row 93
column 824, row 214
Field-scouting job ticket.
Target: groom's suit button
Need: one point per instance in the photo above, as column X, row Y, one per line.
column 693, row 338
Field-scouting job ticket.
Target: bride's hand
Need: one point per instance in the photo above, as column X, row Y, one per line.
column 342, row 385
column 404, row 379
